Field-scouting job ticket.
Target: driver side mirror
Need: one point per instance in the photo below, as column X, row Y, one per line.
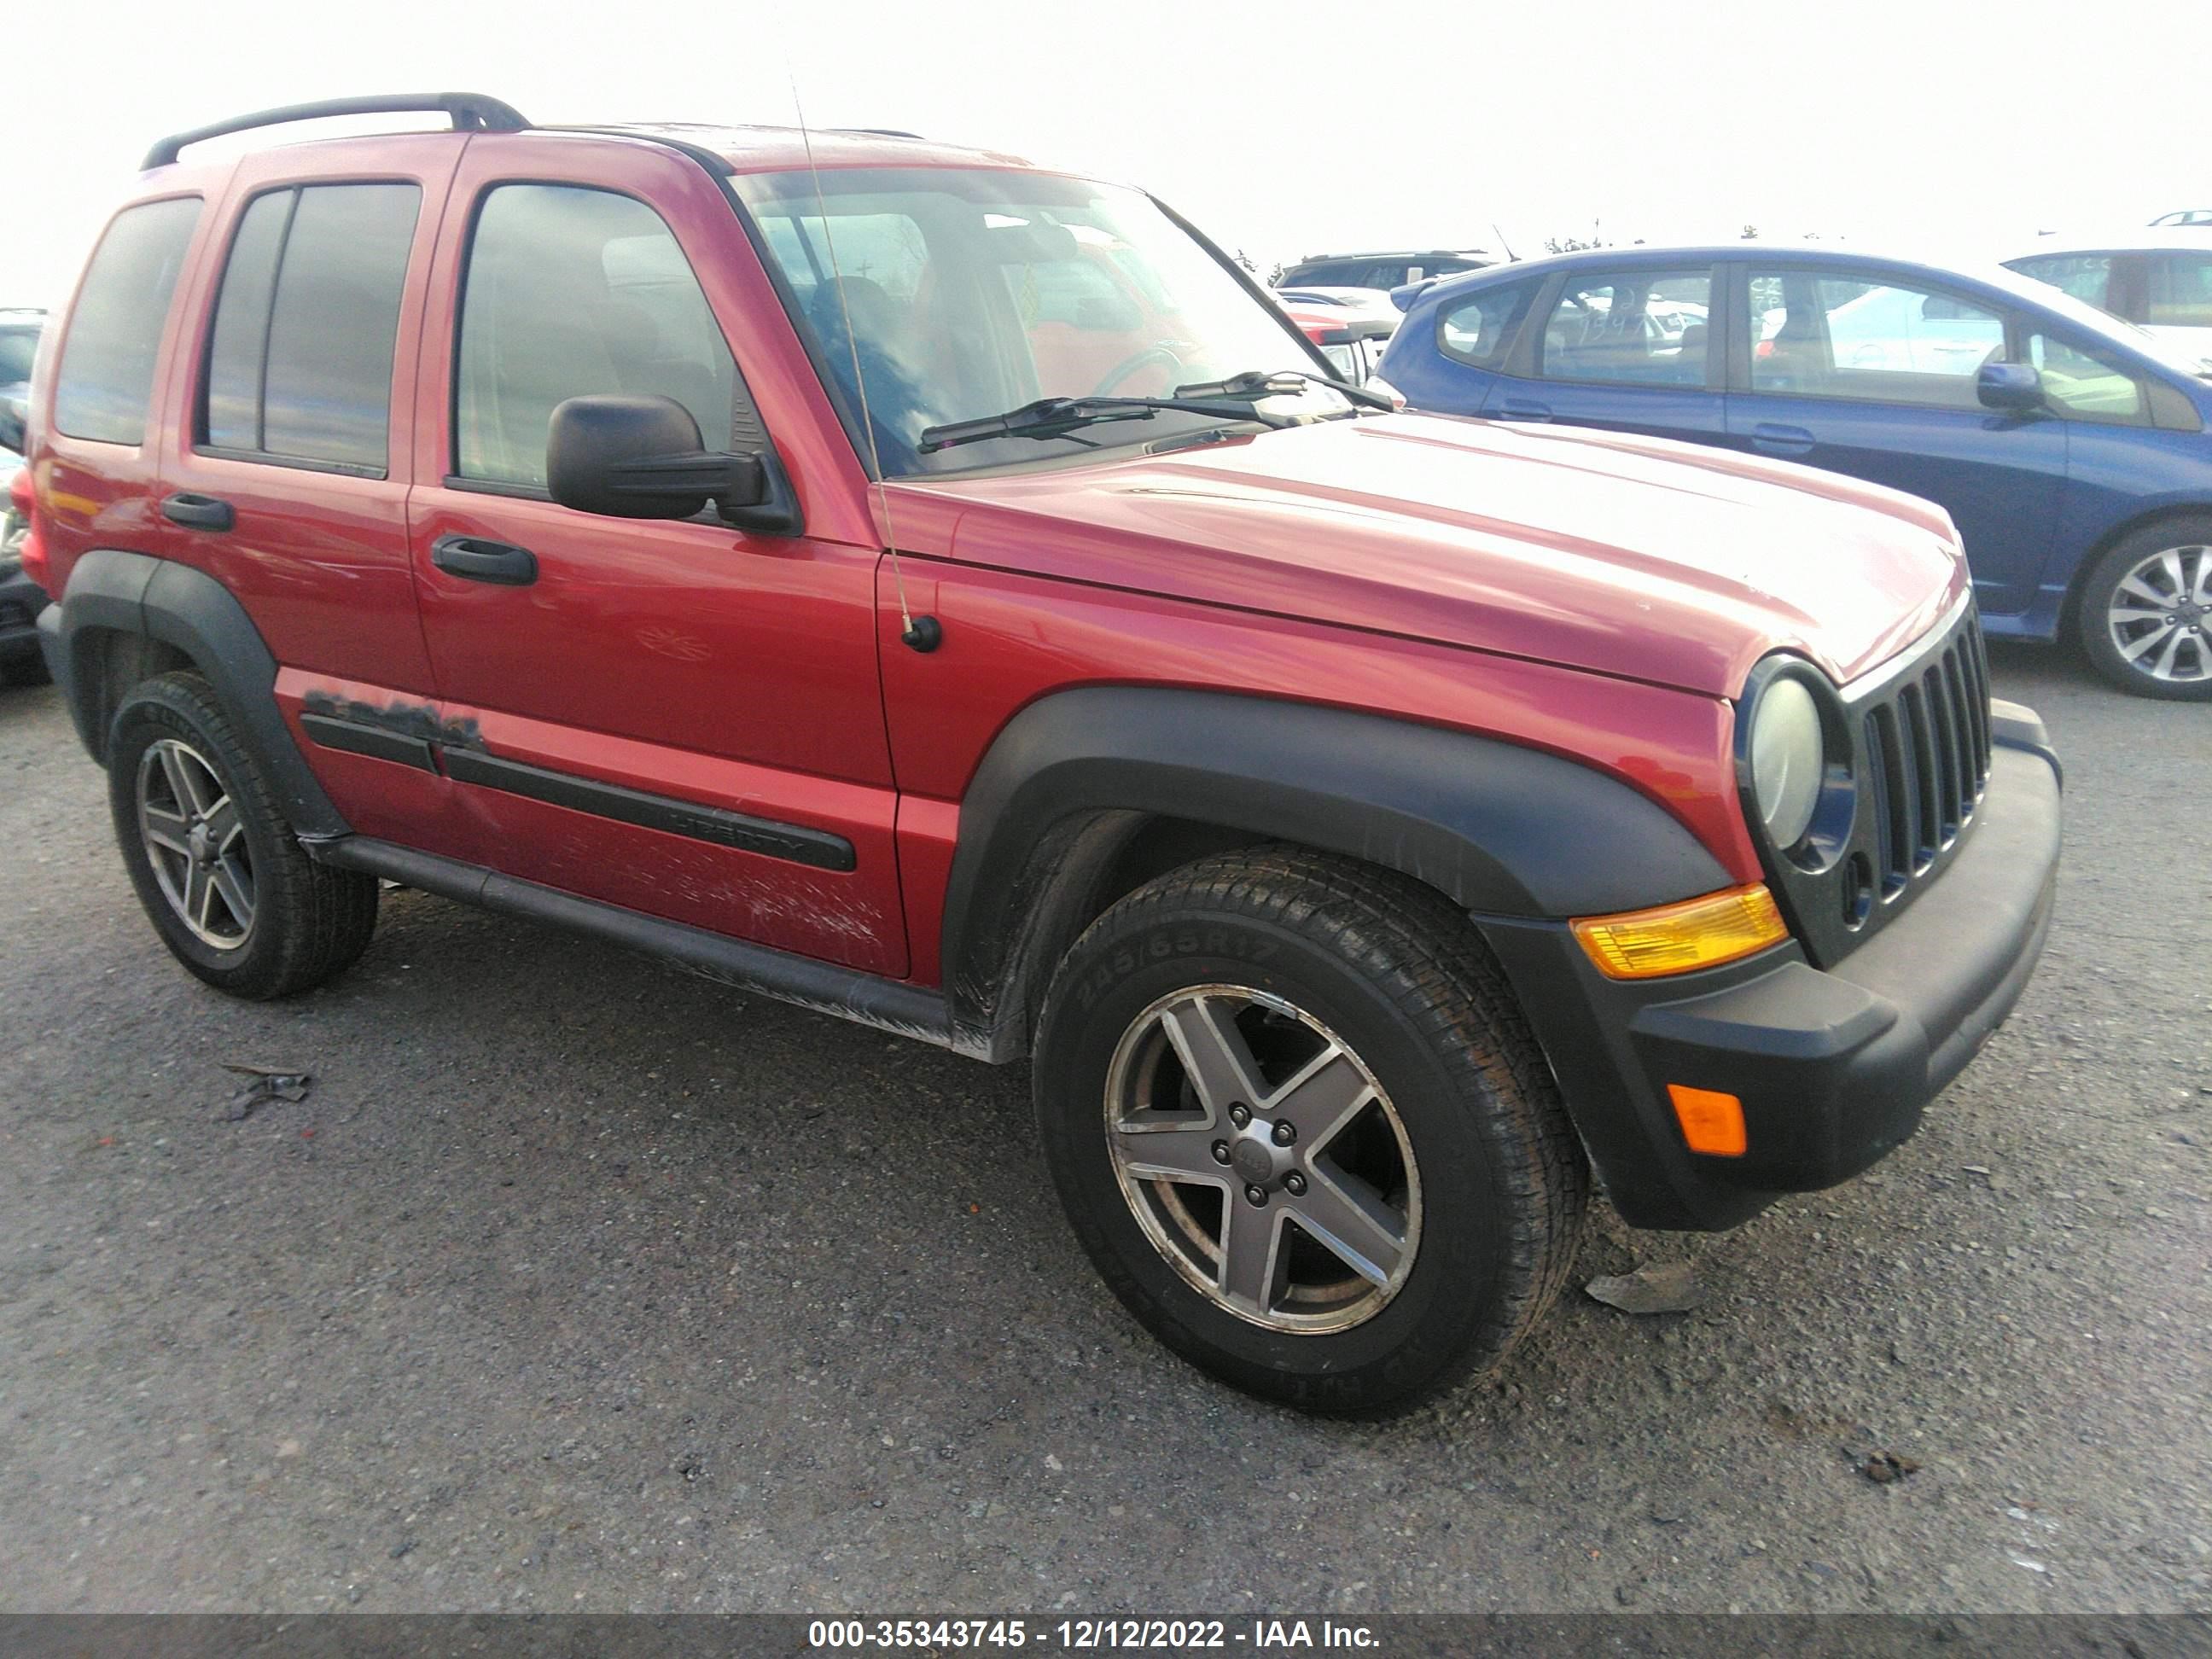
column 2013, row 387
column 642, row 458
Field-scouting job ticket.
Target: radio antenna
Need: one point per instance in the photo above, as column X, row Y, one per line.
column 920, row 634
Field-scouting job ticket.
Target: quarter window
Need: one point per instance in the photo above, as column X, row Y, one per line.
column 1478, row 330
column 575, row 293
column 2082, row 385
column 1846, row 337
column 300, row 362
column 106, row 380
column 1638, row 328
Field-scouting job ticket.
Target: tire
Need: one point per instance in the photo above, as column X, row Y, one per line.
column 222, row 876
column 1459, row 1183
column 2145, row 611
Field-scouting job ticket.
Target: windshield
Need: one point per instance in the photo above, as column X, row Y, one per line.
column 973, row 291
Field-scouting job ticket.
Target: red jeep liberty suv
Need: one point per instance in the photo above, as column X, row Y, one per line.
column 947, row 593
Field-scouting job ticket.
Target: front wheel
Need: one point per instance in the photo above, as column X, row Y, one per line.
column 2146, row 611
column 1300, row 1126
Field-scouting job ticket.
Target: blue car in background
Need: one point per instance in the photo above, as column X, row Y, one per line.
column 2068, row 447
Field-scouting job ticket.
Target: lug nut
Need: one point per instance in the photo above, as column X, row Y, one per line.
column 1294, row 1184
column 1240, row 1115
column 1221, row 1151
column 1285, row 1133
column 1257, row 1194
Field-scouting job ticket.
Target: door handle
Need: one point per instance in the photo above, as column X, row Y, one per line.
column 198, row 511
column 480, row 561
column 1772, row 439
column 1521, row 408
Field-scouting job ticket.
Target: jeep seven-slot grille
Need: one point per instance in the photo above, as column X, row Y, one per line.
column 1927, row 739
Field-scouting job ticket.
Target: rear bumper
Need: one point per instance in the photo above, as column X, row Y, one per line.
column 1833, row 1067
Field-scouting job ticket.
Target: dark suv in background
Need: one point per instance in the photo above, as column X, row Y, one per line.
column 1380, row 270
column 21, row 599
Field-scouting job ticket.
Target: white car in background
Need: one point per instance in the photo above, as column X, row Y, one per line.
column 2184, row 216
column 2160, row 280
column 1366, row 304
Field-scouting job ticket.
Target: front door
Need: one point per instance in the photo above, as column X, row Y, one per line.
column 676, row 717
column 1859, row 374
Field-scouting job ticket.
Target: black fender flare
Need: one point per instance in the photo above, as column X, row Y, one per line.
column 141, row 596
column 1499, row 828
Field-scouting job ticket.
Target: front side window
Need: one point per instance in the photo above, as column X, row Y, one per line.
column 105, row 382
column 300, row 362
column 1636, row 328
column 1478, row 330
column 571, row 292
column 2180, row 291
column 2086, row 277
column 1851, row 336
column 965, row 293
column 2091, row 387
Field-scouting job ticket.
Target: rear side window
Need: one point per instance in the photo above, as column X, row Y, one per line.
column 573, row 293
column 1478, row 330
column 299, row 364
column 1630, row 328
column 106, row 379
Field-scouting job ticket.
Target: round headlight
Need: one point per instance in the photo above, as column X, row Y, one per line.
column 1786, row 759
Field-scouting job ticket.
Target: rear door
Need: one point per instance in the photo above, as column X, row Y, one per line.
column 1872, row 374
column 676, row 717
column 287, row 480
column 1625, row 349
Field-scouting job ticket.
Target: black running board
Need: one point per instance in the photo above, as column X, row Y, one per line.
column 886, row 1004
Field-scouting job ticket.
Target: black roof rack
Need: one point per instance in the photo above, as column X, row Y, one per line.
column 472, row 112
column 880, row 132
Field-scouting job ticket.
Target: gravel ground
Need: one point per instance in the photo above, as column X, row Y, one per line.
column 577, row 1284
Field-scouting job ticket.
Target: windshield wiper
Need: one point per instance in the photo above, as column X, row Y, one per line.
column 1056, row 417
column 1253, row 383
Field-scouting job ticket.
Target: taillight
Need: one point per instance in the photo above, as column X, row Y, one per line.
column 23, row 501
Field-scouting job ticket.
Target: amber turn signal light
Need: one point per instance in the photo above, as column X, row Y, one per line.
column 1712, row 1122
column 1673, row 938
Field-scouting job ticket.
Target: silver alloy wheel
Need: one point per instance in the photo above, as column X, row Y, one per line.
column 196, row 843
column 2161, row 616
column 1262, row 1159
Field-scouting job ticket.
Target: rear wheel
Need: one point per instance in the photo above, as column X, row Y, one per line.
column 1300, row 1126
column 218, row 870
column 2146, row 611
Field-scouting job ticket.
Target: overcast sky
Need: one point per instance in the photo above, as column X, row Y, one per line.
column 1282, row 129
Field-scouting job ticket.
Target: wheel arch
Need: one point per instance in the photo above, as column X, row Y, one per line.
column 127, row 617
column 1087, row 793
column 2069, row 612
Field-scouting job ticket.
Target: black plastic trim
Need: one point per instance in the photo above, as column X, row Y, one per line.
column 371, row 740
column 794, row 843
column 1833, row 1068
column 1495, row 826
column 888, row 1005
column 135, row 594
column 472, row 112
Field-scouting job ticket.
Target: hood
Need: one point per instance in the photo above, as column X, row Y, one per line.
column 1642, row 557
